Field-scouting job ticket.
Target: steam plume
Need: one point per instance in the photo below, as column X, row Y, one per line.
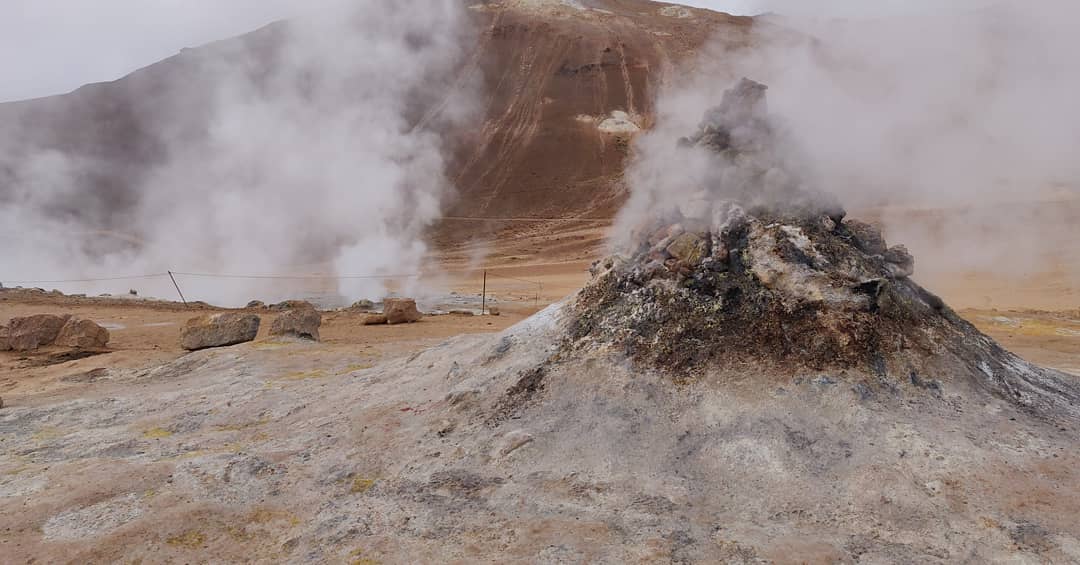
column 320, row 150
column 929, row 107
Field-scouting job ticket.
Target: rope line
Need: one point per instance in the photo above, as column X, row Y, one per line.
column 491, row 274
column 296, row 277
column 235, row 276
column 108, row 279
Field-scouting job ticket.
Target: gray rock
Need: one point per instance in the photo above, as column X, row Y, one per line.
column 83, row 334
column 899, row 261
column 256, row 305
column 32, row 332
column 363, row 305
column 303, row 323
column 219, row 330
column 292, row 305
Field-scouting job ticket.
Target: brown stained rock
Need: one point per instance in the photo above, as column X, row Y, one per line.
column 689, row 248
column 32, row 332
column 219, row 330
column 302, row 323
column 83, row 334
column 401, row 311
column 375, row 320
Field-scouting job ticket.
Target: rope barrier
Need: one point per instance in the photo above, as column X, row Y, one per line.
column 296, row 277
column 108, row 279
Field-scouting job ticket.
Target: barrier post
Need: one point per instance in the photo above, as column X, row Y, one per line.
column 483, row 295
column 182, row 299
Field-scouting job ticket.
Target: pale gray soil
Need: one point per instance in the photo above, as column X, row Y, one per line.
column 507, row 448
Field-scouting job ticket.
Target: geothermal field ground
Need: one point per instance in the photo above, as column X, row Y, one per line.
column 550, row 281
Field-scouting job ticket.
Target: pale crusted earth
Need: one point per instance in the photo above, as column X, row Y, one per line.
column 509, row 448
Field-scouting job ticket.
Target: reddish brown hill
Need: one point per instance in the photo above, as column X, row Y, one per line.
column 552, row 71
column 553, row 75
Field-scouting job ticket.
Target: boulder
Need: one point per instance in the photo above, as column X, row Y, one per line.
column 493, row 310
column 32, row 332
column 83, row 334
column 219, row 330
column 401, row 311
column 256, row 305
column 375, row 319
column 303, row 323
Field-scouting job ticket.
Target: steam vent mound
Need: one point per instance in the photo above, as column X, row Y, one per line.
column 758, row 271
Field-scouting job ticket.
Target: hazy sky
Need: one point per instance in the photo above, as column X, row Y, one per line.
column 54, row 46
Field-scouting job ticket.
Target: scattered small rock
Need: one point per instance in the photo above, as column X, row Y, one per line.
column 292, row 305
column 219, row 330
column 363, row 305
column 514, row 440
column 83, row 334
column 303, row 323
column 375, row 320
column 401, row 311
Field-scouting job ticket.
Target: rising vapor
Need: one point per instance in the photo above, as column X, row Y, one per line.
column 313, row 145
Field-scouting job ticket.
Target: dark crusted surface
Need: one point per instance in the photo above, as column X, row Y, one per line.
column 722, row 312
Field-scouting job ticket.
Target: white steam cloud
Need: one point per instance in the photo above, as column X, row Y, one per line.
column 327, row 156
column 962, row 108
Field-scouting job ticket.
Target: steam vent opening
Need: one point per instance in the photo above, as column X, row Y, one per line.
column 756, row 269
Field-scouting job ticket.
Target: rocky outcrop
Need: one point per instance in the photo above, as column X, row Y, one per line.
column 302, row 323
column 32, row 332
column 401, row 311
column 83, row 334
column 219, row 330
column 5, row 338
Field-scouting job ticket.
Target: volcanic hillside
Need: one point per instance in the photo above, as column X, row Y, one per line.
column 565, row 85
